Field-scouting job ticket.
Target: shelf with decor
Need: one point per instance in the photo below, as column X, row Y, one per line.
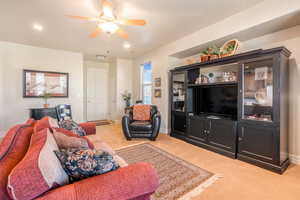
column 212, row 84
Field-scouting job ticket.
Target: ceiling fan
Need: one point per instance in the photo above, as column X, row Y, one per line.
column 108, row 22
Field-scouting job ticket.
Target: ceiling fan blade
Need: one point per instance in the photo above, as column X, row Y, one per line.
column 133, row 22
column 81, row 18
column 122, row 34
column 95, row 33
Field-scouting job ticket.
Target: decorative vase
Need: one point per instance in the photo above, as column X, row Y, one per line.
column 212, row 57
column 205, row 58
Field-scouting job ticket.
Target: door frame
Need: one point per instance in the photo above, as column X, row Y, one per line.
column 85, row 97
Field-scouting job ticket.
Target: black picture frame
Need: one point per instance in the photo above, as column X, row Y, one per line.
column 25, row 86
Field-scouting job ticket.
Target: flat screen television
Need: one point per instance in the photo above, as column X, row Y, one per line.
column 218, row 100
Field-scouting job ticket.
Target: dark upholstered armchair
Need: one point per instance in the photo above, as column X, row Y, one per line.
column 141, row 129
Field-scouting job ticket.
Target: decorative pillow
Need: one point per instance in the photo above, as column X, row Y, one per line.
column 105, row 147
column 39, row 171
column 72, row 126
column 141, row 112
column 64, row 141
column 84, row 163
column 71, row 134
column 45, row 122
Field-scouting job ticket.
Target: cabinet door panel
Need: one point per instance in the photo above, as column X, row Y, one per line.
column 198, row 128
column 258, row 142
column 179, row 123
column 222, row 134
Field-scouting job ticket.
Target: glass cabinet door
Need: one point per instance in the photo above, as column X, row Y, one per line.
column 258, row 90
column 178, row 87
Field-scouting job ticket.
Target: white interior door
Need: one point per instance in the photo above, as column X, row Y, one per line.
column 97, row 93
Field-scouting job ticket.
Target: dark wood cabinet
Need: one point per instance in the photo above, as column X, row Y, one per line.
column 217, row 134
column 222, row 134
column 236, row 106
column 39, row 113
column 198, row 128
column 258, row 142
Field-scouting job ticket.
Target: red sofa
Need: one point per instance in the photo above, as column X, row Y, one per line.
column 134, row 182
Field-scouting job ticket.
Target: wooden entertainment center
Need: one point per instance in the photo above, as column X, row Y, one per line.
column 236, row 106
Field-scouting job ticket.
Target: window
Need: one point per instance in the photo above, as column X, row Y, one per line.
column 146, row 82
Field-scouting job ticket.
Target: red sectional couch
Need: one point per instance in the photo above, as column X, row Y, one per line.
column 134, row 182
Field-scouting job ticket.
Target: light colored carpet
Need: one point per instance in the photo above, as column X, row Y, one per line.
column 179, row 179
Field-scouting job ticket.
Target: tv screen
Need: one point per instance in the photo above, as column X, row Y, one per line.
column 219, row 100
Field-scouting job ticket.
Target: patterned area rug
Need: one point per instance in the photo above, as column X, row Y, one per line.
column 179, row 179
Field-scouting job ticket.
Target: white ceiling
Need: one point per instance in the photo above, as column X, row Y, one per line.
column 167, row 20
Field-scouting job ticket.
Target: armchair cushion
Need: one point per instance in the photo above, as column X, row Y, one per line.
column 137, row 180
column 141, row 112
column 45, row 122
column 141, row 126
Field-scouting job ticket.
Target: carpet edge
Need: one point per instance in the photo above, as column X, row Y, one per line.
column 200, row 188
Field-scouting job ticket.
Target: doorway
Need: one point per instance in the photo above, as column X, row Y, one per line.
column 97, row 94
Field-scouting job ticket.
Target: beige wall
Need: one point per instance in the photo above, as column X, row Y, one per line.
column 14, row 58
column 124, row 70
column 263, row 12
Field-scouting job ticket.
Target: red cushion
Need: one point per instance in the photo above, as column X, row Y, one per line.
column 141, row 112
column 39, row 170
column 71, row 134
column 12, row 149
column 88, row 127
column 42, row 124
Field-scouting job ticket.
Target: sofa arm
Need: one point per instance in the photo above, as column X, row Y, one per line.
column 125, row 183
column 88, row 127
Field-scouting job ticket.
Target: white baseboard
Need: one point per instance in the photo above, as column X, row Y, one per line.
column 164, row 130
column 295, row 159
column 117, row 121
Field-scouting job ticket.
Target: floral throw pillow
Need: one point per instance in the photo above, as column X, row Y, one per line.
column 72, row 126
column 84, row 163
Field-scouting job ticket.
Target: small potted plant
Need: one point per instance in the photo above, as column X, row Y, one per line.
column 215, row 53
column 206, row 55
column 127, row 98
column 46, row 96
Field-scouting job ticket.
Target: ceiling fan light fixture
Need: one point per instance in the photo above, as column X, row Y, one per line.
column 107, row 12
column 109, row 27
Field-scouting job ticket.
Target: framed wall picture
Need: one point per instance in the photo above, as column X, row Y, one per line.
column 157, row 93
column 38, row 83
column 157, row 82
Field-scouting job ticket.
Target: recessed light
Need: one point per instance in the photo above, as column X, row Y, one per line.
column 38, row 27
column 126, row 45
